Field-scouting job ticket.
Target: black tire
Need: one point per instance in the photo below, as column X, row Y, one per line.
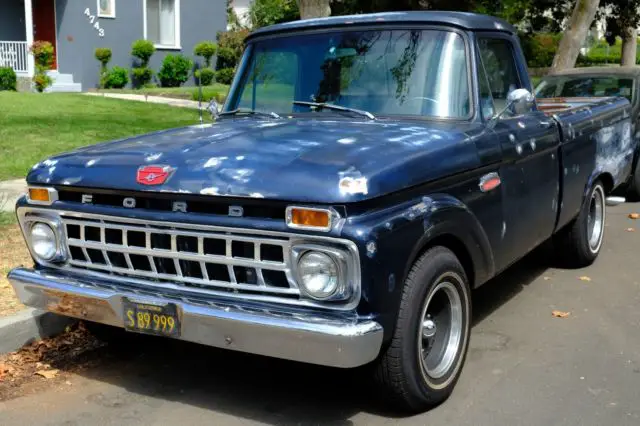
column 576, row 243
column 633, row 189
column 404, row 377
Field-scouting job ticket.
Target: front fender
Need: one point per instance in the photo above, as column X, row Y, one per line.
column 399, row 235
column 449, row 217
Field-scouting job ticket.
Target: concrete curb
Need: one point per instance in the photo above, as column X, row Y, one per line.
column 28, row 326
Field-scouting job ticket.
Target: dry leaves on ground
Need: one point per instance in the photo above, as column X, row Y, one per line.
column 631, row 230
column 46, row 359
column 560, row 314
column 634, row 215
column 584, row 278
column 13, row 252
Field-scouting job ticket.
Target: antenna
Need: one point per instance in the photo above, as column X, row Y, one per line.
column 200, row 96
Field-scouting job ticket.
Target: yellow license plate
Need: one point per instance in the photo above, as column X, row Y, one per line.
column 147, row 318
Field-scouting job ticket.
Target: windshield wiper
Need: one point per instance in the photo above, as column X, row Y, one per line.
column 335, row 107
column 249, row 112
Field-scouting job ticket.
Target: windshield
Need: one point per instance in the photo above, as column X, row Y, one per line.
column 384, row 72
column 585, row 86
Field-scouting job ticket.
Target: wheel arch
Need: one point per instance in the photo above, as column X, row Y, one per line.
column 452, row 225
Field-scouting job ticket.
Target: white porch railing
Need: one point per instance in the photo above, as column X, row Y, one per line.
column 14, row 54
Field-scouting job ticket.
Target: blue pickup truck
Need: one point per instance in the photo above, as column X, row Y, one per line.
column 364, row 175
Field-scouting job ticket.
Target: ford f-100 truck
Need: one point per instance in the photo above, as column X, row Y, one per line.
column 363, row 176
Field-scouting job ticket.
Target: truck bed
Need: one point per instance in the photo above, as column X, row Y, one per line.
column 594, row 132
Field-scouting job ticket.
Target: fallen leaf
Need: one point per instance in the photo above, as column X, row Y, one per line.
column 47, row 374
column 560, row 314
column 634, row 215
column 68, row 383
column 546, row 278
column 584, row 278
column 631, row 230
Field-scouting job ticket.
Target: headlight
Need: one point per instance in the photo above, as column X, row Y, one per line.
column 43, row 241
column 319, row 274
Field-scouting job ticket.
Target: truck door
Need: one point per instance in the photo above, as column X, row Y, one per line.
column 530, row 168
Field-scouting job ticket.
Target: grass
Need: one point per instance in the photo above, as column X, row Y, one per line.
column 216, row 90
column 34, row 126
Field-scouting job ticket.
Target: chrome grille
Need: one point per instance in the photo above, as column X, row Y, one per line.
column 201, row 260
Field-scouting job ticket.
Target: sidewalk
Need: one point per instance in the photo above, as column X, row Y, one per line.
column 10, row 191
column 183, row 103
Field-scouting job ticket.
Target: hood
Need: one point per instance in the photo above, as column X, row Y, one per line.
column 306, row 160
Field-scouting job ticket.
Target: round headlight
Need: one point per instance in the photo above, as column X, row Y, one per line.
column 43, row 241
column 318, row 274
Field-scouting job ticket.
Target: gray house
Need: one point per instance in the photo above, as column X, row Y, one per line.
column 77, row 27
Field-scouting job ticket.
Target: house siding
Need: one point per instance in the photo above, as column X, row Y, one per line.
column 12, row 21
column 78, row 39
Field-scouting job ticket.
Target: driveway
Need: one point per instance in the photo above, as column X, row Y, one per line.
column 525, row 367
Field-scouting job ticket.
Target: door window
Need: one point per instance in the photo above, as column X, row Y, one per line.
column 500, row 67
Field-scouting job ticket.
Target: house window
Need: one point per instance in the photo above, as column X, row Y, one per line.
column 107, row 8
column 163, row 23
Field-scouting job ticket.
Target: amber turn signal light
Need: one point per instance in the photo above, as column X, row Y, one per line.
column 39, row 194
column 44, row 196
column 308, row 218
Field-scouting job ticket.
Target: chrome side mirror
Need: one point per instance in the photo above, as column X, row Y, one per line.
column 213, row 109
column 519, row 101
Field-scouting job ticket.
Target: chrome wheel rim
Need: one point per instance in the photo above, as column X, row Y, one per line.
column 441, row 330
column 595, row 219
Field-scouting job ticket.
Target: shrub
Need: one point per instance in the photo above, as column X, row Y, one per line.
column 205, row 76
column 225, row 75
column 42, row 81
column 103, row 55
column 540, row 48
column 230, row 48
column 8, row 79
column 175, row 70
column 205, row 49
column 116, row 78
column 143, row 50
column 141, row 76
column 42, row 52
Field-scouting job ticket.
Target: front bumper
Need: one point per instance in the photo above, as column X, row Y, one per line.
column 332, row 341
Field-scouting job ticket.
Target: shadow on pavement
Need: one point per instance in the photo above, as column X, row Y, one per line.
column 264, row 389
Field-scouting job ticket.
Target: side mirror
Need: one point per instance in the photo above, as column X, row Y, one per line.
column 519, row 101
column 213, row 109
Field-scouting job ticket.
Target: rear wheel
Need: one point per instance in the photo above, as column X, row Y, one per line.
column 424, row 360
column 633, row 189
column 580, row 242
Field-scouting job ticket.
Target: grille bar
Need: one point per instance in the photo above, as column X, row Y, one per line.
column 163, row 255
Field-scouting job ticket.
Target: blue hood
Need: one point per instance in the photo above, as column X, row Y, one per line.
column 308, row 160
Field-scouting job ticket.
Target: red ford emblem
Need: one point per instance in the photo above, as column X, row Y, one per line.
column 154, row 175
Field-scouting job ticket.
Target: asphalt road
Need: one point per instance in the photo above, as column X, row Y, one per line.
column 525, row 367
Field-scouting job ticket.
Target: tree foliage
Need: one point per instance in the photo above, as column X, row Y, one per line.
column 269, row 12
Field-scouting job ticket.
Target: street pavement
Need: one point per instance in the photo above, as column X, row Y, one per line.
column 525, row 366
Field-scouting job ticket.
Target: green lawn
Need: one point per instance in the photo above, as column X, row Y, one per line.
column 34, row 126
column 216, row 90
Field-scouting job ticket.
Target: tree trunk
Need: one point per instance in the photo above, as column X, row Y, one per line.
column 629, row 46
column 581, row 19
column 314, row 8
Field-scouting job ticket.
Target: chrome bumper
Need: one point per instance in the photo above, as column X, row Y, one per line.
column 345, row 342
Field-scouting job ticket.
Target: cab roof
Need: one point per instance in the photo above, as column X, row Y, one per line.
column 462, row 20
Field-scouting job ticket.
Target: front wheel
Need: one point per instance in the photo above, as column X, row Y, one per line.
column 424, row 360
column 580, row 242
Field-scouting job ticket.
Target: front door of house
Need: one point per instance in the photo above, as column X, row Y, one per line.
column 44, row 24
